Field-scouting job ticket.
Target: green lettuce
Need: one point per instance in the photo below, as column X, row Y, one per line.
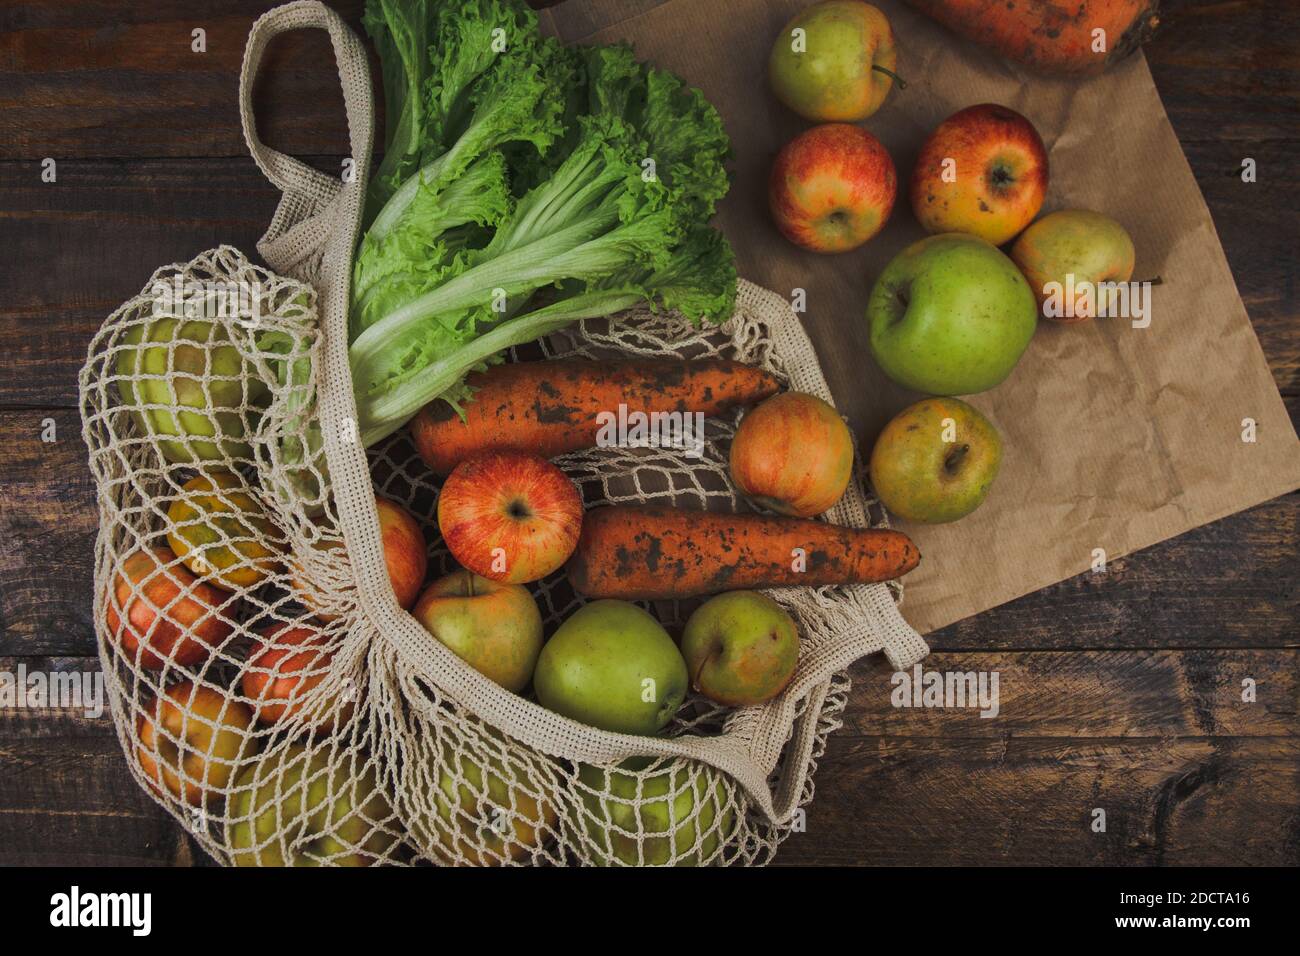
column 527, row 186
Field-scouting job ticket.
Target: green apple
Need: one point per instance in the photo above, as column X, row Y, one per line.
column 321, row 813
column 494, row 627
column 1068, row 252
column 164, row 362
column 741, row 648
column 659, row 807
column 950, row 315
column 834, row 62
column 613, row 666
column 487, row 819
column 935, row 461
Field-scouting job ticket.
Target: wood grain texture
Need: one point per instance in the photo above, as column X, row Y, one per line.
column 66, row 797
column 128, row 82
column 1119, row 690
column 1030, row 802
column 1186, row 772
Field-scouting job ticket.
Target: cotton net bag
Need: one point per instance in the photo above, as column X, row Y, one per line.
column 239, row 535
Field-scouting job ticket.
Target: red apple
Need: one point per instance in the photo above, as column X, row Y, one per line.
column 279, row 677
column 404, row 551
column 793, row 454
column 832, row 188
column 983, row 171
column 158, row 611
column 203, row 739
column 405, row 555
column 494, row 627
column 510, row 516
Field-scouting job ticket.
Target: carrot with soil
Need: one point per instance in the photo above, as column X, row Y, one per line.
column 1080, row 37
column 553, row 407
column 639, row 552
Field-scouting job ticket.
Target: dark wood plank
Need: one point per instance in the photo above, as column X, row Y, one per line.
column 1093, row 694
column 1030, row 801
column 129, row 84
column 48, row 522
column 66, row 797
column 111, row 224
column 1227, row 584
column 1186, row 772
column 1227, row 70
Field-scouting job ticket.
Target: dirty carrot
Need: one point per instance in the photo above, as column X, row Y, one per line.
column 1080, row 37
column 641, row 552
column 553, row 407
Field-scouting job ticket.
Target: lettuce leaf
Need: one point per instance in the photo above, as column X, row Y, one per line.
column 526, row 186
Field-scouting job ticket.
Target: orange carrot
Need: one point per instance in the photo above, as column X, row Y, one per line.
column 549, row 408
column 643, row 552
column 1053, row 36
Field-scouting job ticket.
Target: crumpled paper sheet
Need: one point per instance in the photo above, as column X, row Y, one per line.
column 1114, row 437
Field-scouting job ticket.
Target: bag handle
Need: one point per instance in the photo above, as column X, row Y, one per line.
column 311, row 237
column 290, row 175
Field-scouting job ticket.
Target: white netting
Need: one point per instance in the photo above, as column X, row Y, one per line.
column 267, row 688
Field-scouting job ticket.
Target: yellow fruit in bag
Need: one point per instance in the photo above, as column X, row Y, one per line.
column 221, row 533
column 668, row 811
column 187, row 384
column 296, row 809
column 485, row 820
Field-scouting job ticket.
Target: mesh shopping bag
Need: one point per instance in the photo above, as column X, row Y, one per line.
column 267, row 687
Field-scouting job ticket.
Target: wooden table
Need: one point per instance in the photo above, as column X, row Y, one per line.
column 1127, row 684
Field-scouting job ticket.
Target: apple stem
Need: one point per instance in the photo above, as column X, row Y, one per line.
column 902, row 84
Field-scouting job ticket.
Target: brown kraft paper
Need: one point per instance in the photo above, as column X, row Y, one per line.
column 1114, row 437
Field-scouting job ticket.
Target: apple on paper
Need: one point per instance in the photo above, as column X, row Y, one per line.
column 935, row 461
column 1074, row 250
column 832, row 188
column 192, row 739
column 834, row 61
column 741, row 648
column 494, row 627
column 792, row 454
column 510, row 516
column 983, row 171
column 640, row 815
column 950, row 315
column 297, row 807
column 612, row 665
